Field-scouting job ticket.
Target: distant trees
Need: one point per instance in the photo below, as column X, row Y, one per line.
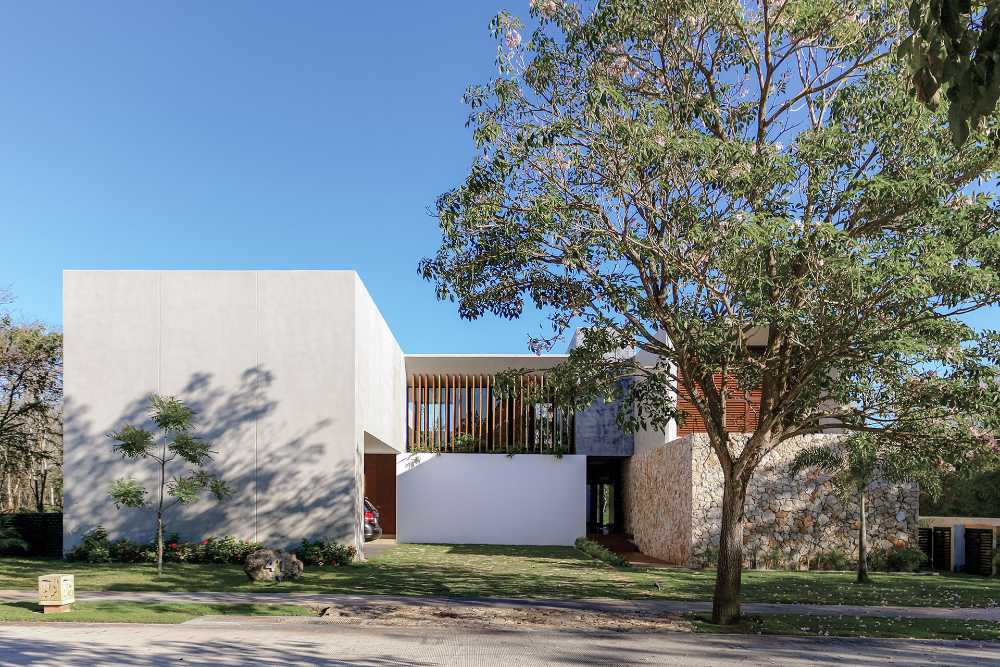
column 30, row 414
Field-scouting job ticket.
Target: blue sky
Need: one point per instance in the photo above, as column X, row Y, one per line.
column 242, row 135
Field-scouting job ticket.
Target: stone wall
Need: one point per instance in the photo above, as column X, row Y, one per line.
column 789, row 520
column 657, row 486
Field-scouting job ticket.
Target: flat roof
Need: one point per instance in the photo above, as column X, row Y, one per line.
column 472, row 364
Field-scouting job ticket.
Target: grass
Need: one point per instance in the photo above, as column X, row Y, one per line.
column 853, row 626
column 525, row 572
column 145, row 612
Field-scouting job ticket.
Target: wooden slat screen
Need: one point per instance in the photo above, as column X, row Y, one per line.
column 463, row 413
column 742, row 410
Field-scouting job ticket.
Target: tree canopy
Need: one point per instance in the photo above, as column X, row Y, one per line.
column 740, row 190
column 955, row 49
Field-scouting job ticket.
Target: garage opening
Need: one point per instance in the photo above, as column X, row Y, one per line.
column 380, row 489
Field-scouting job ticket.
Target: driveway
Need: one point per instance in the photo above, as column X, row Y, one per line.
column 378, row 547
column 234, row 643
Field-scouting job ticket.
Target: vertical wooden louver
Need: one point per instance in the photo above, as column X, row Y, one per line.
column 465, row 413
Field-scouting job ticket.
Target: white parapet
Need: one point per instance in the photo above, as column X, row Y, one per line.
column 526, row 499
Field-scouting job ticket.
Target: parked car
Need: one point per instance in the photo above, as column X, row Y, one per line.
column 373, row 530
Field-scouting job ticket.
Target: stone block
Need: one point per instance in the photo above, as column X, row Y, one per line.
column 56, row 592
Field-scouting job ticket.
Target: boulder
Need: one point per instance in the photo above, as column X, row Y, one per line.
column 272, row 565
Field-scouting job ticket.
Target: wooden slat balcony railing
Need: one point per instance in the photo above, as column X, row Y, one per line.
column 465, row 413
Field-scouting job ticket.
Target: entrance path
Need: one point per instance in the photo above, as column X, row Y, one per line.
column 235, row 643
column 597, row 604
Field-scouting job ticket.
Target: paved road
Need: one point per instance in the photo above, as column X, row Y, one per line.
column 602, row 605
column 225, row 644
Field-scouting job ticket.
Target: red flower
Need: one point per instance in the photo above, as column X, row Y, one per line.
column 204, row 542
column 173, row 546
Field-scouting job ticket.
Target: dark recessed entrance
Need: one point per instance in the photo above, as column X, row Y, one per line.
column 605, row 506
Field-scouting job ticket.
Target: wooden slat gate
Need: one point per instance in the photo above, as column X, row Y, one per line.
column 941, row 549
column 979, row 551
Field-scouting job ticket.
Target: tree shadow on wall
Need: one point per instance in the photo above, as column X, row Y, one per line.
column 288, row 480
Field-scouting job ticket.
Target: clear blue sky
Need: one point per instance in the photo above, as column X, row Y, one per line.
column 242, row 135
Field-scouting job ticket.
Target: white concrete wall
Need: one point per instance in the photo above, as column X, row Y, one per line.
column 491, row 499
column 267, row 358
column 381, row 375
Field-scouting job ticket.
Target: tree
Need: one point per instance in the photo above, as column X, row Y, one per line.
column 30, row 406
column 175, row 422
column 742, row 191
column 955, row 48
column 857, row 463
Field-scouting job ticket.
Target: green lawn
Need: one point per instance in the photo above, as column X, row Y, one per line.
column 539, row 572
column 853, row 626
column 145, row 612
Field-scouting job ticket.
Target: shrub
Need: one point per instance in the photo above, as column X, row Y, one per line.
column 834, row 559
column 906, row 560
column 125, row 551
column 775, row 559
column 878, row 560
column 595, row 550
column 227, row 549
column 96, row 548
column 322, row 552
column 10, row 538
column 93, row 548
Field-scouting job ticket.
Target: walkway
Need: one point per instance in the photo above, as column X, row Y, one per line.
column 600, row 605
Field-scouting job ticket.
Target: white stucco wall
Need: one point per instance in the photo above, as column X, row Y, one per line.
column 268, row 360
column 526, row 499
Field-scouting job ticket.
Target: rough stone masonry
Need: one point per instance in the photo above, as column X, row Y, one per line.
column 673, row 496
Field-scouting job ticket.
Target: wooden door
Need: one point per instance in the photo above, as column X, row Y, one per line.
column 380, row 488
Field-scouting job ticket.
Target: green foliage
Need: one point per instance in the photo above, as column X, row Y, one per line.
column 30, row 411
column 127, row 493
column 685, row 179
column 96, row 548
column 955, row 47
column 171, row 415
column 93, row 548
column 132, row 442
column 834, row 559
column 595, row 550
column 189, row 488
column 325, row 552
column 175, row 420
column 966, row 493
column 909, row 559
column 191, row 449
column 10, row 538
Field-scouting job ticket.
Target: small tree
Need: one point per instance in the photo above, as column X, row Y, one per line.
column 860, row 461
column 175, row 422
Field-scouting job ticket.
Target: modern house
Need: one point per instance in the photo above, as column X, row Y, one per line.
column 311, row 405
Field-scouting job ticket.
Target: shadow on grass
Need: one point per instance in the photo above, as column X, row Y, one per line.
column 519, row 572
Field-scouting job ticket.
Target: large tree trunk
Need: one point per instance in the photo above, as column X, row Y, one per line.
column 862, row 540
column 728, row 576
